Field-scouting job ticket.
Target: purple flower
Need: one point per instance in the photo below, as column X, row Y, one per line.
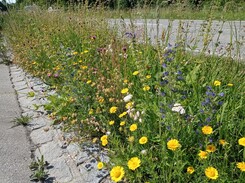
column 221, row 94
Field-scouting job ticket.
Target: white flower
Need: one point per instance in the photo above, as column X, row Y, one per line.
column 140, row 120
column 144, row 152
column 178, row 108
column 108, row 133
column 128, row 98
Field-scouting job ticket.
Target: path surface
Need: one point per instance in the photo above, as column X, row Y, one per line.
column 15, row 154
column 225, row 38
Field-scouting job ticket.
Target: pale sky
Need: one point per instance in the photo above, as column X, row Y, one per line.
column 10, row 1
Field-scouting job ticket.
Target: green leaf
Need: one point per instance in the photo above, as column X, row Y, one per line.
column 192, row 76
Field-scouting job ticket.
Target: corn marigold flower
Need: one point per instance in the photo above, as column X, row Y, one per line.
column 148, row 76
column 101, row 100
column 207, row 130
column 217, row 83
column 89, row 81
column 113, row 109
column 230, row 84
column 100, row 165
column 104, row 137
column 241, row 166
column 122, row 123
column 173, row 144
column 211, row 173
column 111, row 122
column 133, row 127
column 134, row 163
column 241, row 141
column 203, row 154
column 117, row 173
column 125, row 90
column 210, row 148
column 104, row 142
column 91, row 111
column 190, row 170
column 223, row 142
column 143, row 140
column 129, row 105
column 146, row 88
column 122, row 114
column 135, row 73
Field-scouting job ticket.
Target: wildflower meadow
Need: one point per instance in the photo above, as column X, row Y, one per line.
column 161, row 113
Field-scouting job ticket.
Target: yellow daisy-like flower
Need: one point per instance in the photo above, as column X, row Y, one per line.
column 222, row 142
column 113, row 109
column 133, row 127
column 104, row 137
column 230, row 84
column 143, row 140
column 129, row 105
column 75, row 53
column 207, row 130
column 117, row 173
column 122, row 123
column 241, row 166
column 173, row 144
column 100, row 165
column 84, row 67
column 91, row 111
column 134, row 163
column 148, row 76
column 211, row 173
column 190, row 170
column 203, row 154
column 125, row 81
column 241, row 141
column 125, row 90
column 104, row 142
column 111, row 122
column 135, row 73
column 210, row 148
column 146, row 88
column 123, row 114
column 101, row 100
column 217, row 83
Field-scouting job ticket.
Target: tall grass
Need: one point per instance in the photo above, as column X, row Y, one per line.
column 163, row 114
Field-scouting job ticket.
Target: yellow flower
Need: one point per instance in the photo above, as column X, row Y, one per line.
column 135, row 73
column 241, row 141
column 131, row 138
column 129, row 105
column 100, row 165
column 91, row 111
column 123, row 114
column 113, row 109
column 125, row 81
column 203, row 154
column 241, row 166
column 84, row 67
column 125, row 90
column 222, row 142
column 104, row 137
column 217, row 83
column 143, row 140
column 89, row 81
column 146, row 88
column 210, row 148
column 133, row 127
column 229, row 84
column 104, row 142
column 75, row 53
column 148, row 76
column 173, row 144
column 122, row 123
column 85, row 51
column 117, row 173
column 134, row 163
column 190, row 170
column 211, row 173
column 111, row 122
column 101, row 100
column 207, row 130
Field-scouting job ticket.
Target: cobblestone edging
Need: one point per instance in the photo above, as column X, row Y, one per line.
column 70, row 162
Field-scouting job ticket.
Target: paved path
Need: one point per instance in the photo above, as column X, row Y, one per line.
column 225, row 38
column 15, row 154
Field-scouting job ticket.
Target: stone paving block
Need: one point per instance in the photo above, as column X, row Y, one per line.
column 18, row 79
column 51, row 151
column 39, row 136
column 60, row 171
column 36, row 123
column 90, row 173
column 82, row 157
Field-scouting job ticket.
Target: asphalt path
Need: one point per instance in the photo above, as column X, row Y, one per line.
column 219, row 37
column 15, row 154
